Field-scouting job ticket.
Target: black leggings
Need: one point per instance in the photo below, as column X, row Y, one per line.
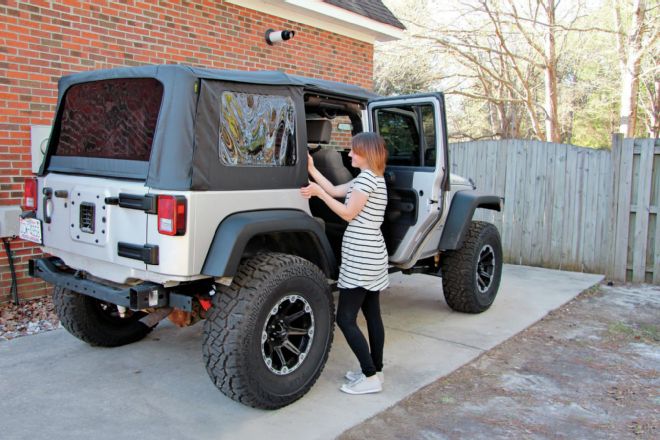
column 350, row 302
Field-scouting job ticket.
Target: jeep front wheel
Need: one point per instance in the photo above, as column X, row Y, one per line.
column 471, row 275
column 268, row 335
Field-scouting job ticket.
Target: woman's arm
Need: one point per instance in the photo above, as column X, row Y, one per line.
column 333, row 190
column 347, row 212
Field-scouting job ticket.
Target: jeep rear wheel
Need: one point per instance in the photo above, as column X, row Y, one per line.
column 471, row 275
column 97, row 322
column 268, row 335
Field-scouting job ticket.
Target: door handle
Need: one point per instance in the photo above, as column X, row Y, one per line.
column 48, row 195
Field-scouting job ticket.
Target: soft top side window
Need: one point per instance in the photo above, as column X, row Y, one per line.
column 257, row 130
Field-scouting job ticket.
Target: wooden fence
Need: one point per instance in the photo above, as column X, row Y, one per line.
column 572, row 208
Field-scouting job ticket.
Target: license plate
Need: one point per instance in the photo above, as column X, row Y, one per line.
column 30, row 229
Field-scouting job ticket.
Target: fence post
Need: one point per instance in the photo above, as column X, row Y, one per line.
column 624, row 189
column 642, row 209
column 615, row 158
column 656, row 186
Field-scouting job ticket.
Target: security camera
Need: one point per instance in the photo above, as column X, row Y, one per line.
column 273, row 36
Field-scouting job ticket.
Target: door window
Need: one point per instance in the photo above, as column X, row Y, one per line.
column 409, row 133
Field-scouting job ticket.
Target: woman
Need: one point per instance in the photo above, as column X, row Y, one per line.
column 364, row 264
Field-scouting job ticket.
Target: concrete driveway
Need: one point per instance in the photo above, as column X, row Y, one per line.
column 53, row 386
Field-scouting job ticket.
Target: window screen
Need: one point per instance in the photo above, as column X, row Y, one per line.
column 257, row 130
column 113, row 119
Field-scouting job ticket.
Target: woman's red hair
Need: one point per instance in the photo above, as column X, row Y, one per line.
column 371, row 146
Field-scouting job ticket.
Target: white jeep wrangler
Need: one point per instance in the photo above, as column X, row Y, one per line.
column 174, row 191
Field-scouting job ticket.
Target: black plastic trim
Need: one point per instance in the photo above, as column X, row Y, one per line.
column 235, row 231
column 462, row 209
column 147, row 253
column 129, row 169
column 142, row 202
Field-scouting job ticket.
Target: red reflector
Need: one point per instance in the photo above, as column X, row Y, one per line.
column 171, row 215
column 205, row 303
column 29, row 195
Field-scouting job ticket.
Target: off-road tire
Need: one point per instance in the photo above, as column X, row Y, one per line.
column 460, row 283
column 233, row 348
column 96, row 322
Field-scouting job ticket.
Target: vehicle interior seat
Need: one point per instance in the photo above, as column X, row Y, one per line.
column 327, row 160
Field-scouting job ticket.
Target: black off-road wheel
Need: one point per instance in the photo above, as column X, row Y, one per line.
column 471, row 275
column 268, row 335
column 96, row 322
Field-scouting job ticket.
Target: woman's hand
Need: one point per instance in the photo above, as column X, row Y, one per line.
column 310, row 163
column 311, row 190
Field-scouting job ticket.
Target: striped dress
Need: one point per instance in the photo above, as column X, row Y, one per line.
column 364, row 260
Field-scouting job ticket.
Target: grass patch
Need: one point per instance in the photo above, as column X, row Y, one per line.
column 648, row 332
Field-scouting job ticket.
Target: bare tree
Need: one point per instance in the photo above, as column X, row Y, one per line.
column 633, row 44
column 509, row 51
column 651, row 105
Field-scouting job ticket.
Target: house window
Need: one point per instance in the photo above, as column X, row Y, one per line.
column 257, row 130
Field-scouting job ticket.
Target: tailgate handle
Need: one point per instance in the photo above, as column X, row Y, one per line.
column 48, row 194
column 147, row 203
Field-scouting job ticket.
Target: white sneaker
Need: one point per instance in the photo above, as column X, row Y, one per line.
column 354, row 375
column 363, row 385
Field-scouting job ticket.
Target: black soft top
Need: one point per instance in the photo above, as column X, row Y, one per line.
column 178, row 72
column 183, row 143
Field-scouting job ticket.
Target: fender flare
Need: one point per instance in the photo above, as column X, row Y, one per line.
column 461, row 210
column 236, row 230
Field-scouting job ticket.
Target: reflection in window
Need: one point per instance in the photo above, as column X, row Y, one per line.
column 257, row 130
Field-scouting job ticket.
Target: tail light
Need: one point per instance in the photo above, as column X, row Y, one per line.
column 171, row 215
column 29, row 195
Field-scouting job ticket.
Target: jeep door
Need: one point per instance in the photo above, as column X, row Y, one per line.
column 414, row 129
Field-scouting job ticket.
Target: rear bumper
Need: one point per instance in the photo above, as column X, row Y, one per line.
column 141, row 296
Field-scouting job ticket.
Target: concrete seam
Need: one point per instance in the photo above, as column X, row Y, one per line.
column 438, row 339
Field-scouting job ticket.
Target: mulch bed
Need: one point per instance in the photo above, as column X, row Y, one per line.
column 27, row 318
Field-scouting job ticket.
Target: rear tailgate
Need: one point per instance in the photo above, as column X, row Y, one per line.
column 82, row 216
column 92, row 194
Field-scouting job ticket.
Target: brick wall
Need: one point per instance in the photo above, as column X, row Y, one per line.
column 43, row 40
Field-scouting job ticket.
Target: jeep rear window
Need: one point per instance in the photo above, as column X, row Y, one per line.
column 110, row 119
column 257, row 130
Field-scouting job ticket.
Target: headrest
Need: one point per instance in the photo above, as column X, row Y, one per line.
column 318, row 131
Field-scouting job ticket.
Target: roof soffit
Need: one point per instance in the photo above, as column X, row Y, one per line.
column 325, row 16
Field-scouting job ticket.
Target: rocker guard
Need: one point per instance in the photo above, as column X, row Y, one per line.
column 142, row 296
